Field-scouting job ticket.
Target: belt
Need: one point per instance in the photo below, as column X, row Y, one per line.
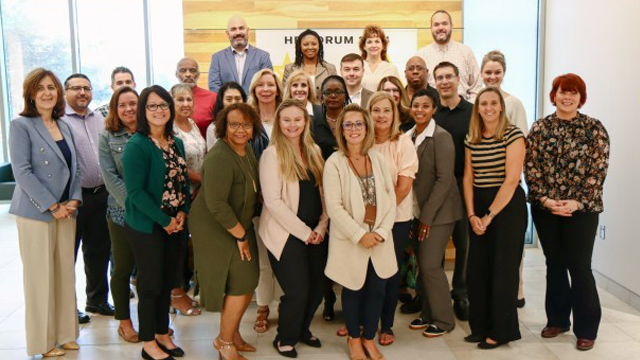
column 93, row 190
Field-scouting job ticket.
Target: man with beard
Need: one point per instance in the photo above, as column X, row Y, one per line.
column 204, row 100
column 416, row 73
column 352, row 71
column 91, row 225
column 120, row 76
column 445, row 49
column 240, row 61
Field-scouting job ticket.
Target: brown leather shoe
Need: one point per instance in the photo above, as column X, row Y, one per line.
column 552, row 331
column 585, row 344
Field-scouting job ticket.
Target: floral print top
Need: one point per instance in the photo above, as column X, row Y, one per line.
column 175, row 178
column 567, row 160
column 368, row 187
column 195, row 146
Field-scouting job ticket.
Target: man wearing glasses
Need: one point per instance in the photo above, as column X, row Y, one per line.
column 91, row 225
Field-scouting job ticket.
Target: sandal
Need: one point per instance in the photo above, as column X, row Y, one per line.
column 351, row 355
column 228, row 347
column 261, row 324
column 131, row 338
column 342, row 332
column 176, row 306
column 386, row 338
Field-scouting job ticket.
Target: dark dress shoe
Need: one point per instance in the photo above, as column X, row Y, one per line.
column 487, row 346
column 149, row 357
column 474, row 338
column 461, row 309
column 313, row 342
column 405, row 298
column 83, row 318
column 289, row 353
column 103, row 309
column 415, row 306
column 520, row 303
column 585, row 344
column 177, row 352
column 552, row 331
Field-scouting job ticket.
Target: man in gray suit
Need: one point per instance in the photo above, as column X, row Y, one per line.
column 240, row 61
column 352, row 71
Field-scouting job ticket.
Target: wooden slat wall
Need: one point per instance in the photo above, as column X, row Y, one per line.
column 205, row 21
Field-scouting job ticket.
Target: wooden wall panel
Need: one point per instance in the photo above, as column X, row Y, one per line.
column 205, row 21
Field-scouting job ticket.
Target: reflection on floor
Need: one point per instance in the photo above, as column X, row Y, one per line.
column 619, row 336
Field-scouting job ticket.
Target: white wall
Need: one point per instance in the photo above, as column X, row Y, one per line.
column 598, row 41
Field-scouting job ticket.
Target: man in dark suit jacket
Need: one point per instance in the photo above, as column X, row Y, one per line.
column 240, row 61
column 352, row 71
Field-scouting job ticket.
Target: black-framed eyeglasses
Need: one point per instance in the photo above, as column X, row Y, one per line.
column 236, row 125
column 358, row 125
column 328, row 93
column 154, row 107
column 80, row 88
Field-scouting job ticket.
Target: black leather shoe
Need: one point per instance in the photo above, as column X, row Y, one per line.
column 313, row 342
column 83, row 318
column 149, row 357
column 103, row 309
column 461, row 309
column 412, row 307
column 473, row 338
column 520, row 303
column 290, row 353
column 405, row 298
column 177, row 352
column 486, row 346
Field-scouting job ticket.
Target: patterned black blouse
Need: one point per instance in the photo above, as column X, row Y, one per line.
column 175, row 178
column 567, row 160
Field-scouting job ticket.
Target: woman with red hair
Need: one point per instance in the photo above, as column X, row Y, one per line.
column 566, row 165
column 373, row 47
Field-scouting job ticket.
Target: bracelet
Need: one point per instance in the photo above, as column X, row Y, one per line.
column 469, row 218
column 242, row 239
column 56, row 209
column 545, row 200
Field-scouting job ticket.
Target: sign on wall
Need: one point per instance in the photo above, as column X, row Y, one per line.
column 337, row 43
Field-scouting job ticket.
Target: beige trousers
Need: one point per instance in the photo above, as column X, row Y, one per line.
column 268, row 289
column 47, row 249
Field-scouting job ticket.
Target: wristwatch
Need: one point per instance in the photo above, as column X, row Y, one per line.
column 242, row 239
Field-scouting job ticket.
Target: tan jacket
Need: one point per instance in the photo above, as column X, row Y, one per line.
column 279, row 214
column 348, row 260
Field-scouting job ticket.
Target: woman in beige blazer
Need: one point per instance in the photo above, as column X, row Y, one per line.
column 293, row 223
column 437, row 206
column 361, row 204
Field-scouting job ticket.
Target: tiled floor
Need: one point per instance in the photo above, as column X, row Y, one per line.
column 619, row 336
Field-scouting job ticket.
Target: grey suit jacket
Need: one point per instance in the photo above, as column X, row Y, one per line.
column 40, row 169
column 223, row 68
column 435, row 183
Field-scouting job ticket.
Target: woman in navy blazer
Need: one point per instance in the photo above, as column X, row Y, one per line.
column 47, row 193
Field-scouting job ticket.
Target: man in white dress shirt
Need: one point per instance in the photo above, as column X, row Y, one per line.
column 352, row 71
column 445, row 49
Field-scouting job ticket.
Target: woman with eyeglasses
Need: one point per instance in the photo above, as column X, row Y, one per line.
column 156, row 178
column 224, row 241
column 361, row 203
column 229, row 93
column 265, row 95
column 393, row 86
column 402, row 162
column 310, row 59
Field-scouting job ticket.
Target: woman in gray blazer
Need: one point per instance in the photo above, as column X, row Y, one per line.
column 437, row 206
column 47, row 193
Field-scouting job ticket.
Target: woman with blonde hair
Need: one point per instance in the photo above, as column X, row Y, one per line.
column 361, row 203
column 373, row 47
column 300, row 87
column 265, row 95
column 402, row 161
column 393, row 86
column 293, row 223
column 494, row 157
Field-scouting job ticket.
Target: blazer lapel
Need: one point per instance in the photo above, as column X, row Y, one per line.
column 423, row 147
column 251, row 53
column 232, row 62
column 68, row 137
column 46, row 136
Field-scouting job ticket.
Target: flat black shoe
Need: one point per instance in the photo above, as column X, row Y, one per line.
column 290, row 354
column 177, row 352
column 103, row 309
column 486, row 346
column 83, row 318
column 461, row 309
column 149, row 357
column 473, row 338
column 413, row 307
column 405, row 298
column 313, row 342
column 520, row 303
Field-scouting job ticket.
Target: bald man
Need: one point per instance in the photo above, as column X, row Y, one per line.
column 240, row 61
column 204, row 100
column 416, row 73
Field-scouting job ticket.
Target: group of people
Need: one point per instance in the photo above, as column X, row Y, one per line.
column 284, row 188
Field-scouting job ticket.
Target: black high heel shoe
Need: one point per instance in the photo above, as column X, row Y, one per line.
column 146, row 356
column 177, row 352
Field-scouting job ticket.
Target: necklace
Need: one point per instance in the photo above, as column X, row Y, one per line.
column 49, row 127
column 250, row 172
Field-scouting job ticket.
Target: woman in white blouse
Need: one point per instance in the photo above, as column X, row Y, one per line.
column 300, row 87
column 361, row 204
column 373, row 46
column 195, row 148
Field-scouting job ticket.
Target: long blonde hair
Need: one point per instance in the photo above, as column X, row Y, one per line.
column 253, row 99
column 294, row 168
column 395, row 131
column 476, row 126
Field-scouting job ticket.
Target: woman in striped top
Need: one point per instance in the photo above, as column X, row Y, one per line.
column 495, row 202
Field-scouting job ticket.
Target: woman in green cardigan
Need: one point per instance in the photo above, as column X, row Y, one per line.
column 224, row 243
column 157, row 182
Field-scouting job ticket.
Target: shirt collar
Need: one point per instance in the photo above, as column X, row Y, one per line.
column 428, row 132
column 68, row 110
column 244, row 51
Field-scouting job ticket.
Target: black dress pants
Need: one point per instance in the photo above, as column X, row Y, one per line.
column 460, row 238
column 156, row 259
column 494, row 264
column 300, row 272
column 93, row 232
column 567, row 243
